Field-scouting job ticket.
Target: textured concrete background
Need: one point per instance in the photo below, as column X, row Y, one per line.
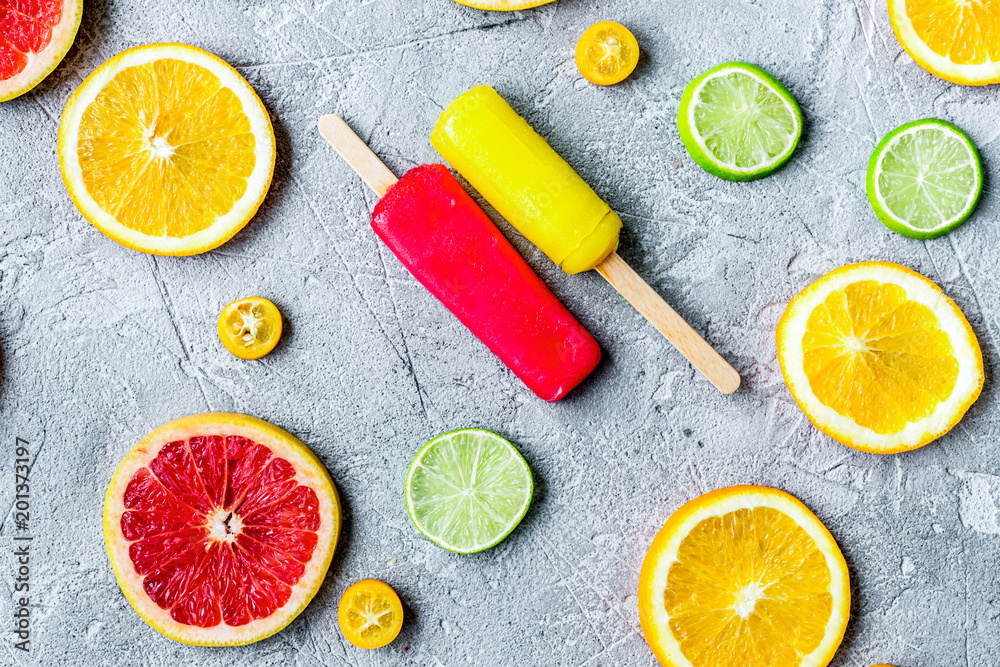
column 100, row 344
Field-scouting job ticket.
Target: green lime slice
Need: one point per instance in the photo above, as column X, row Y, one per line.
column 738, row 122
column 467, row 490
column 924, row 178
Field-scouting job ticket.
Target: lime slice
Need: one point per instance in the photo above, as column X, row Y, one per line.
column 467, row 490
column 738, row 122
column 925, row 178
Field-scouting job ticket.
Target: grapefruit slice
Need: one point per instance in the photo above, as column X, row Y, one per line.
column 220, row 528
column 34, row 37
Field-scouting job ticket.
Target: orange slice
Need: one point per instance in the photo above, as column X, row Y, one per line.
column 370, row 614
column 607, row 53
column 744, row 576
column 250, row 328
column 166, row 149
column 956, row 40
column 879, row 358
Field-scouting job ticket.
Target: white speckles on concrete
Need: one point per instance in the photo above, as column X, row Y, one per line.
column 99, row 344
column 977, row 508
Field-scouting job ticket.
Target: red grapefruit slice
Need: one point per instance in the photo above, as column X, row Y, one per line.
column 220, row 528
column 34, row 37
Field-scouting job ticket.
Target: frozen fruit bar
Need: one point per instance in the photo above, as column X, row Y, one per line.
column 526, row 181
column 446, row 241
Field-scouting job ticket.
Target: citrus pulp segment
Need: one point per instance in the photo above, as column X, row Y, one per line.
column 924, row 178
column 739, row 122
column 607, row 53
column 35, row 36
column 879, row 358
column 250, row 328
column 467, row 490
column 220, row 528
column 166, row 149
column 956, row 40
column 370, row 614
column 746, row 576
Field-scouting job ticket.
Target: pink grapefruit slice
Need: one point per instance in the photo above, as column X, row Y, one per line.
column 34, row 37
column 220, row 528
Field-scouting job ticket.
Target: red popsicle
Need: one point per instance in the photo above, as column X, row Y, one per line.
column 446, row 241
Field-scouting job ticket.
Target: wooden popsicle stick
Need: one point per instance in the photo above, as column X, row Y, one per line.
column 666, row 320
column 614, row 269
column 357, row 154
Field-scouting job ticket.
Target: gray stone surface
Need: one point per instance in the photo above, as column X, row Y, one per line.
column 101, row 344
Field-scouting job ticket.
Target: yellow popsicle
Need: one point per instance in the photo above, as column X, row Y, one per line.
column 526, row 181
